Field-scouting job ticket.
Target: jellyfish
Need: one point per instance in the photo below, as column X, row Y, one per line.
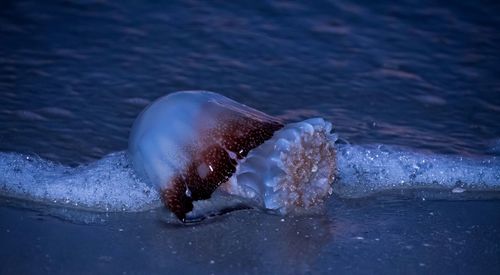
column 190, row 144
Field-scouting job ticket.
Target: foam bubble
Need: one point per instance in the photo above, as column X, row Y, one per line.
column 105, row 185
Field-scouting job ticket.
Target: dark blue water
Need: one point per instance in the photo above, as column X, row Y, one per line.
column 74, row 75
column 421, row 74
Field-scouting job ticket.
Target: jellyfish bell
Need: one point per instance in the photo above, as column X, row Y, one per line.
column 187, row 144
column 190, row 144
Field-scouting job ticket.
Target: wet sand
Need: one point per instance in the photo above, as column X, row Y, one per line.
column 369, row 236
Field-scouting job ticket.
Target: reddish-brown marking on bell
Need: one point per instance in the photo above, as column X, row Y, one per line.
column 237, row 132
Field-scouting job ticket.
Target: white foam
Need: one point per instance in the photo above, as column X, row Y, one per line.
column 105, row 185
column 365, row 170
column 110, row 184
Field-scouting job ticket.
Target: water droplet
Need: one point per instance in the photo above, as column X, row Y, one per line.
column 314, row 168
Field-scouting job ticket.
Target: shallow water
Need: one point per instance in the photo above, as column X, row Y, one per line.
column 420, row 74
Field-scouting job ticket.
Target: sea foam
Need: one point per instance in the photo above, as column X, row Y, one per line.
column 108, row 184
